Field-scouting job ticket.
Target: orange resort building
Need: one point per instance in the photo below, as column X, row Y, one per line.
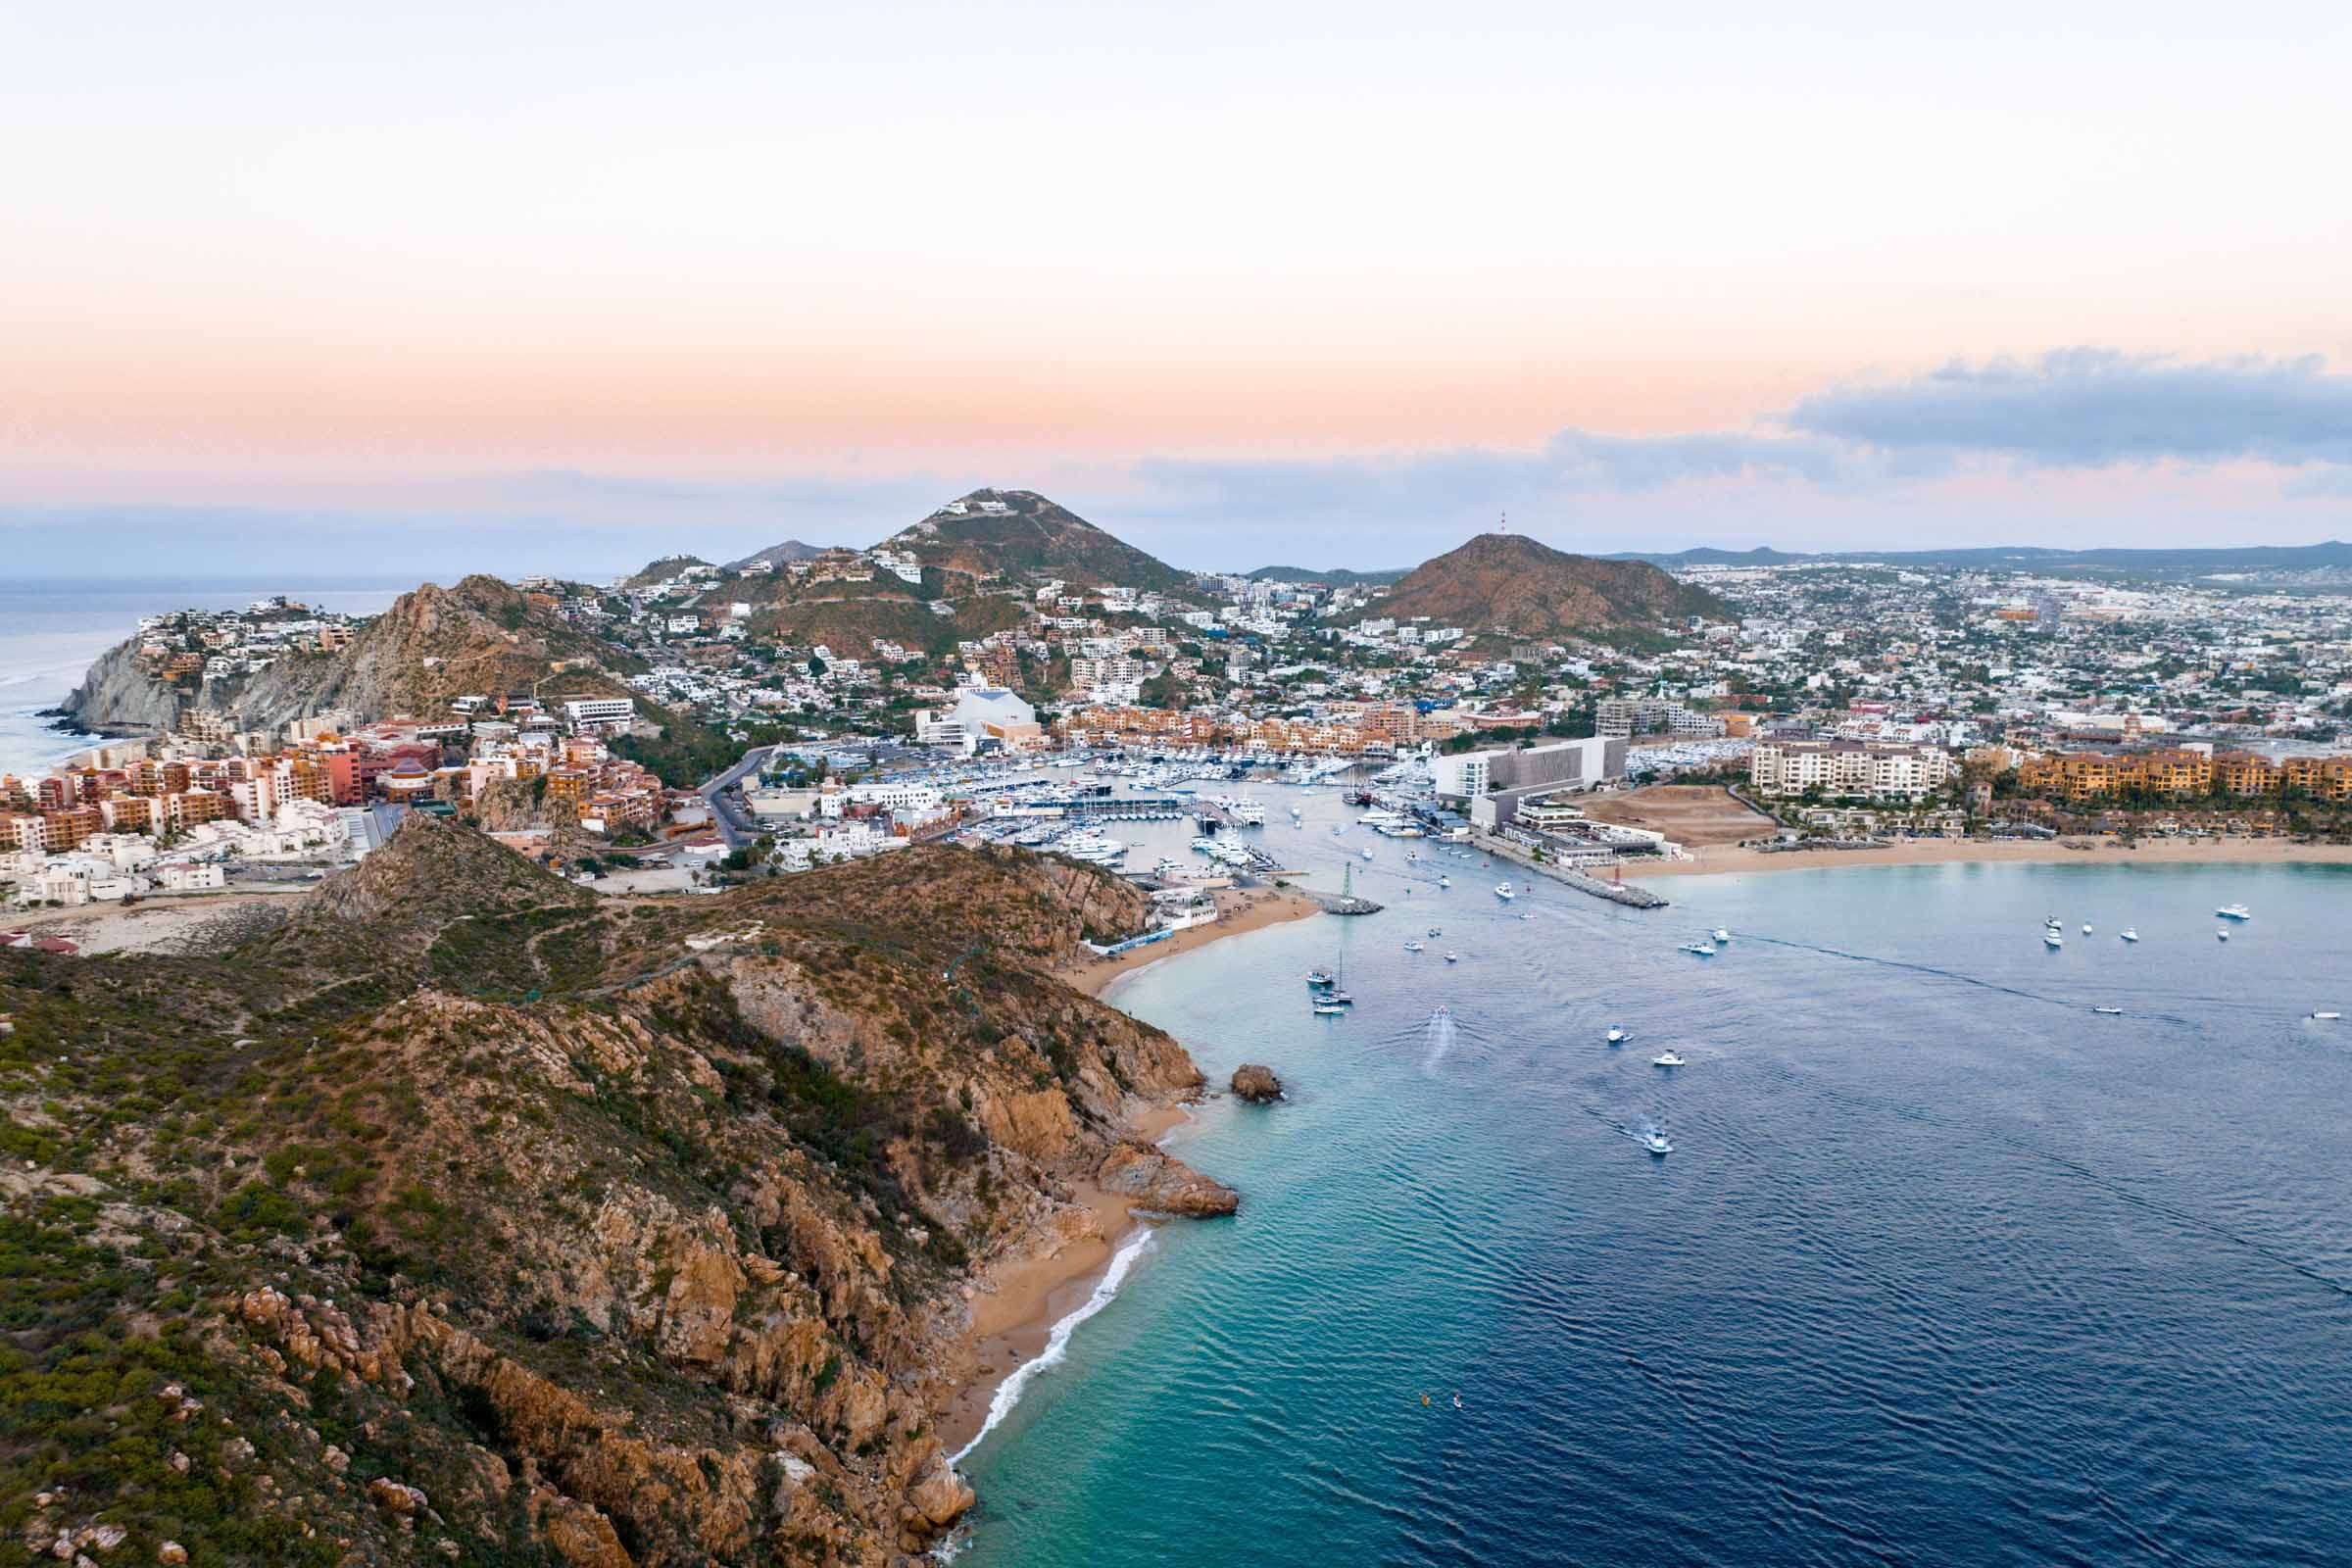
column 2183, row 773
column 1859, row 770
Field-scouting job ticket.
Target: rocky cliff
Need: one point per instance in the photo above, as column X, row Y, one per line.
column 469, row 1217
column 434, row 643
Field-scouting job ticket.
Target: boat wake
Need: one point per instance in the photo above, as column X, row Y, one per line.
column 1442, row 1034
column 1058, row 1343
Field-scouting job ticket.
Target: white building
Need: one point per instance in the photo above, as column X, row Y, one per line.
column 595, row 712
column 1850, row 768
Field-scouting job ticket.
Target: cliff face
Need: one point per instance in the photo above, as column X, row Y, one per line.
column 122, row 696
column 431, row 644
column 472, row 1218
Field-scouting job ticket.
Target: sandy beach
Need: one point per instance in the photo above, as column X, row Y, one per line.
column 1709, row 860
column 1241, row 911
column 1021, row 1298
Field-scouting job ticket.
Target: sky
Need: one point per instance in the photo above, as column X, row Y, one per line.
column 519, row 287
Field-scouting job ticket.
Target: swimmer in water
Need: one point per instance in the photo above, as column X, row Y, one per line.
column 1425, row 1401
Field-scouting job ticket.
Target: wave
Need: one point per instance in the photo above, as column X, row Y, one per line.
column 1058, row 1343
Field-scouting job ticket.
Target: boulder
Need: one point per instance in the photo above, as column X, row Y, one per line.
column 1156, row 1180
column 1257, row 1084
column 939, row 1494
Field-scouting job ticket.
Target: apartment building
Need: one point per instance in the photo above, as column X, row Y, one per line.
column 1860, row 770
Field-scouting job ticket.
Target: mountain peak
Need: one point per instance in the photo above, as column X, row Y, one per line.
column 1028, row 537
column 1512, row 584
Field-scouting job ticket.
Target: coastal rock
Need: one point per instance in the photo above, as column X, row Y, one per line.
column 1156, row 1180
column 941, row 1495
column 1257, row 1084
column 122, row 696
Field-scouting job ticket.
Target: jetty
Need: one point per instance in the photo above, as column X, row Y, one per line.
column 1624, row 893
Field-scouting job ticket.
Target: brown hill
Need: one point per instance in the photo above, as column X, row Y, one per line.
column 473, row 1218
column 1511, row 583
column 1022, row 535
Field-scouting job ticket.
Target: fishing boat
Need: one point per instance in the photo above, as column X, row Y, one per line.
column 1616, row 1035
column 1667, row 1059
column 1704, row 950
column 1655, row 1141
column 1320, row 979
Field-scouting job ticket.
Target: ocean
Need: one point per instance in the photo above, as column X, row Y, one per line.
column 1945, row 1268
column 50, row 633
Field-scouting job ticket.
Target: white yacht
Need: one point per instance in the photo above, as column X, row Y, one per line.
column 2128, row 934
column 2051, row 939
column 1616, row 1035
column 1722, row 937
column 2086, row 928
column 2112, row 1012
column 1704, row 950
column 2234, row 911
column 2326, row 1016
column 1453, row 958
column 1504, row 892
column 1667, row 1059
column 1655, row 1141
column 1414, row 947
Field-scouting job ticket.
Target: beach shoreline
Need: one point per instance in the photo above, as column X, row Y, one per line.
column 1725, row 859
column 1241, row 912
column 1017, row 1302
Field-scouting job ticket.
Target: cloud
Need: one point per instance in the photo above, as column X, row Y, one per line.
column 2086, row 407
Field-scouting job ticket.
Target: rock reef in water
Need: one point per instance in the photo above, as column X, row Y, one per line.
column 1257, row 1084
column 1160, row 1181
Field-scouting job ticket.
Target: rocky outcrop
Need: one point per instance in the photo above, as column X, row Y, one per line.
column 1159, row 1181
column 122, row 695
column 1257, row 1084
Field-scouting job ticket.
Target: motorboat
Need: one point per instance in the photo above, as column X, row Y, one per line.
column 1667, row 1059
column 2112, row 1012
column 2223, row 934
column 1504, row 892
column 2234, row 911
column 1704, row 950
column 1616, row 1035
column 1444, row 880
column 1414, row 947
column 2086, row 928
column 1526, row 918
column 1655, row 1141
column 1722, row 936
column 1320, row 979
column 2051, row 939
column 1453, row 958
column 1328, row 1009
column 2326, row 1017
column 1367, row 854
column 2127, row 935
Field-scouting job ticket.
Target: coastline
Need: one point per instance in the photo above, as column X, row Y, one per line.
column 1240, row 912
column 1020, row 1302
column 1023, row 1306
column 1718, row 860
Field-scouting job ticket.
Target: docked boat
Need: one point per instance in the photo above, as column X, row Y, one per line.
column 1504, row 892
column 2051, row 939
column 1655, row 1141
column 1616, row 1035
column 1704, row 950
column 2234, row 911
column 2127, row 935
column 1667, row 1059
column 2112, row 1012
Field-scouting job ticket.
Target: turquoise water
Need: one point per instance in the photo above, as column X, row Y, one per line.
column 1944, row 1268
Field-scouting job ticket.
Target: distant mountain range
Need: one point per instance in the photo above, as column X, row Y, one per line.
column 2187, row 562
column 1508, row 582
column 1337, row 577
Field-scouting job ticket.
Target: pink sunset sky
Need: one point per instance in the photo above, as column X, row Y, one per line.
column 1324, row 282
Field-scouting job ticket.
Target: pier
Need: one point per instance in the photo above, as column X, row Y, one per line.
column 1633, row 897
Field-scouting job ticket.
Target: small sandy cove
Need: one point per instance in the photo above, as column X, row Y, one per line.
column 1240, row 910
column 1712, row 858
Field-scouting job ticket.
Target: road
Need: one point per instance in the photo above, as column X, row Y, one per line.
column 735, row 826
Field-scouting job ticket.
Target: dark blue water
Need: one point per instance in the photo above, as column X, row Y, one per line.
column 1945, row 1268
